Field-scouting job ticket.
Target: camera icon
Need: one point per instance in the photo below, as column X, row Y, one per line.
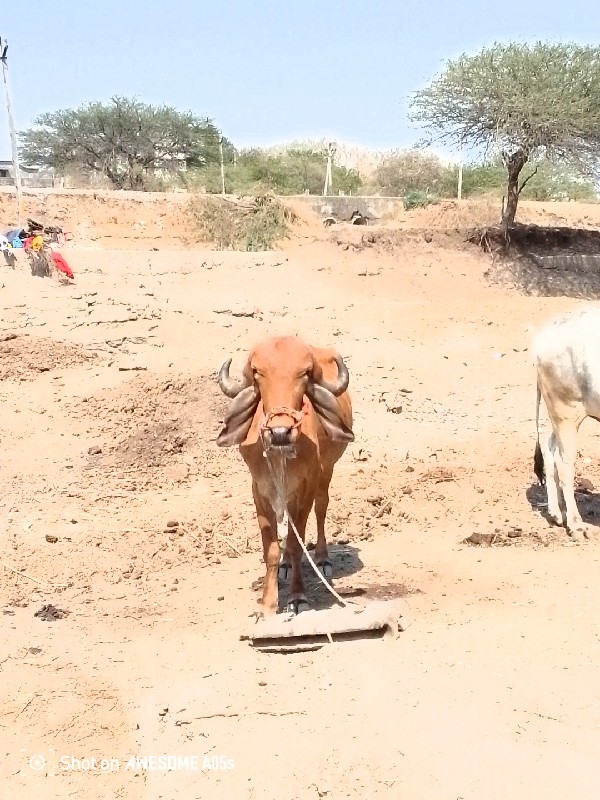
column 37, row 762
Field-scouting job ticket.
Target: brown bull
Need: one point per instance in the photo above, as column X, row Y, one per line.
column 291, row 416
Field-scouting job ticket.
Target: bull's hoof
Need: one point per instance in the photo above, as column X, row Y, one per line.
column 326, row 569
column 266, row 609
column 580, row 532
column 284, row 571
column 297, row 605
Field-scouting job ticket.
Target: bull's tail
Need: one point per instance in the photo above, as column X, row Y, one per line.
column 538, row 458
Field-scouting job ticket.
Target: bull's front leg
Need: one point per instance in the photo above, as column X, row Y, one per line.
column 271, row 551
column 298, row 512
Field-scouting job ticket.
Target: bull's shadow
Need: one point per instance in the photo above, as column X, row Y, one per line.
column 345, row 560
column 588, row 503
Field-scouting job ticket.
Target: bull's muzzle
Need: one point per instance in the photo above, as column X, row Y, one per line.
column 280, row 436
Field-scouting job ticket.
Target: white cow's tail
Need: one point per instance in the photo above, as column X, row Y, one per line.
column 538, row 458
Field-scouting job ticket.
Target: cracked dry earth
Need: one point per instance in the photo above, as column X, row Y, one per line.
column 121, row 629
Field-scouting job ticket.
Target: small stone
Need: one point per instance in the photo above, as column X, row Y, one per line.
column 481, row 538
column 585, row 486
column 222, row 597
column 94, row 451
column 172, row 523
column 51, row 539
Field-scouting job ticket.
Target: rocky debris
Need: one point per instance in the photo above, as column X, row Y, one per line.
column 392, row 402
column 50, row 613
column 486, row 539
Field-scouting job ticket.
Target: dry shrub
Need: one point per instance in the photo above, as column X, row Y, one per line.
column 257, row 224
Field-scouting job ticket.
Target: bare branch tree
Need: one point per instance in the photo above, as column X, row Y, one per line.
column 525, row 101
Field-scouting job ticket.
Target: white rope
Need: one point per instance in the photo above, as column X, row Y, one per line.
column 283, row 500
column 323, row 580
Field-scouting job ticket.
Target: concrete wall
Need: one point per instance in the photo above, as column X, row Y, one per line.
column 343, row 206
column 29, row 182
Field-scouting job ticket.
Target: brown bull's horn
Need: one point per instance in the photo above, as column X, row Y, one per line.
column 343, row 379
column 228, row 386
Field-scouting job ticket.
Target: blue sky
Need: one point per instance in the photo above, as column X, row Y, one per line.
column 267, row 71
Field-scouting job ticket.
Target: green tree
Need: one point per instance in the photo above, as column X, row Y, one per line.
column 306, row 172
column 558, row 182
column 414, row 171
column 486, row 178
column 285, row 172
column 126, row 140
column 527, row 101
column 549, row 181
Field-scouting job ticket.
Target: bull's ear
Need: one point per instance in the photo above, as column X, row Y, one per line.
column 239, row 417
column 329, row 413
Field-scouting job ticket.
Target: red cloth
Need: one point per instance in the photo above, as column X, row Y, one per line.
column 62, row 265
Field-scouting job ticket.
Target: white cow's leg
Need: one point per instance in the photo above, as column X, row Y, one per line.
column 565, row 455
column 549, row 452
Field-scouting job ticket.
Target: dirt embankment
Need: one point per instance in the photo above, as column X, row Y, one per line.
column 126, row 218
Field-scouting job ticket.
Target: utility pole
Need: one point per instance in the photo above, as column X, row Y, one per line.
column 11, row 128
column 222, row 165
column 328, row 171
column 460, row 169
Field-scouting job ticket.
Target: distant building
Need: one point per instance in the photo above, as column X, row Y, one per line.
column 35, row 177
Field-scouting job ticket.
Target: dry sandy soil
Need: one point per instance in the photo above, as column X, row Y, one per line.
column 110, row 411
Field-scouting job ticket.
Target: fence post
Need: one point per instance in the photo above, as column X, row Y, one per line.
column 11, row 128
column 222, row 165
column 460, row 169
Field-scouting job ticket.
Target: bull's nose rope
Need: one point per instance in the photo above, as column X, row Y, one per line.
column 282, row 411
column 279, row 488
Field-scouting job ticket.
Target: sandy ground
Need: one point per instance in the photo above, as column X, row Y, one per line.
column 110, row 411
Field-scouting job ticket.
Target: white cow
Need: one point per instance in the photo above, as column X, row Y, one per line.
column 567, row 358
